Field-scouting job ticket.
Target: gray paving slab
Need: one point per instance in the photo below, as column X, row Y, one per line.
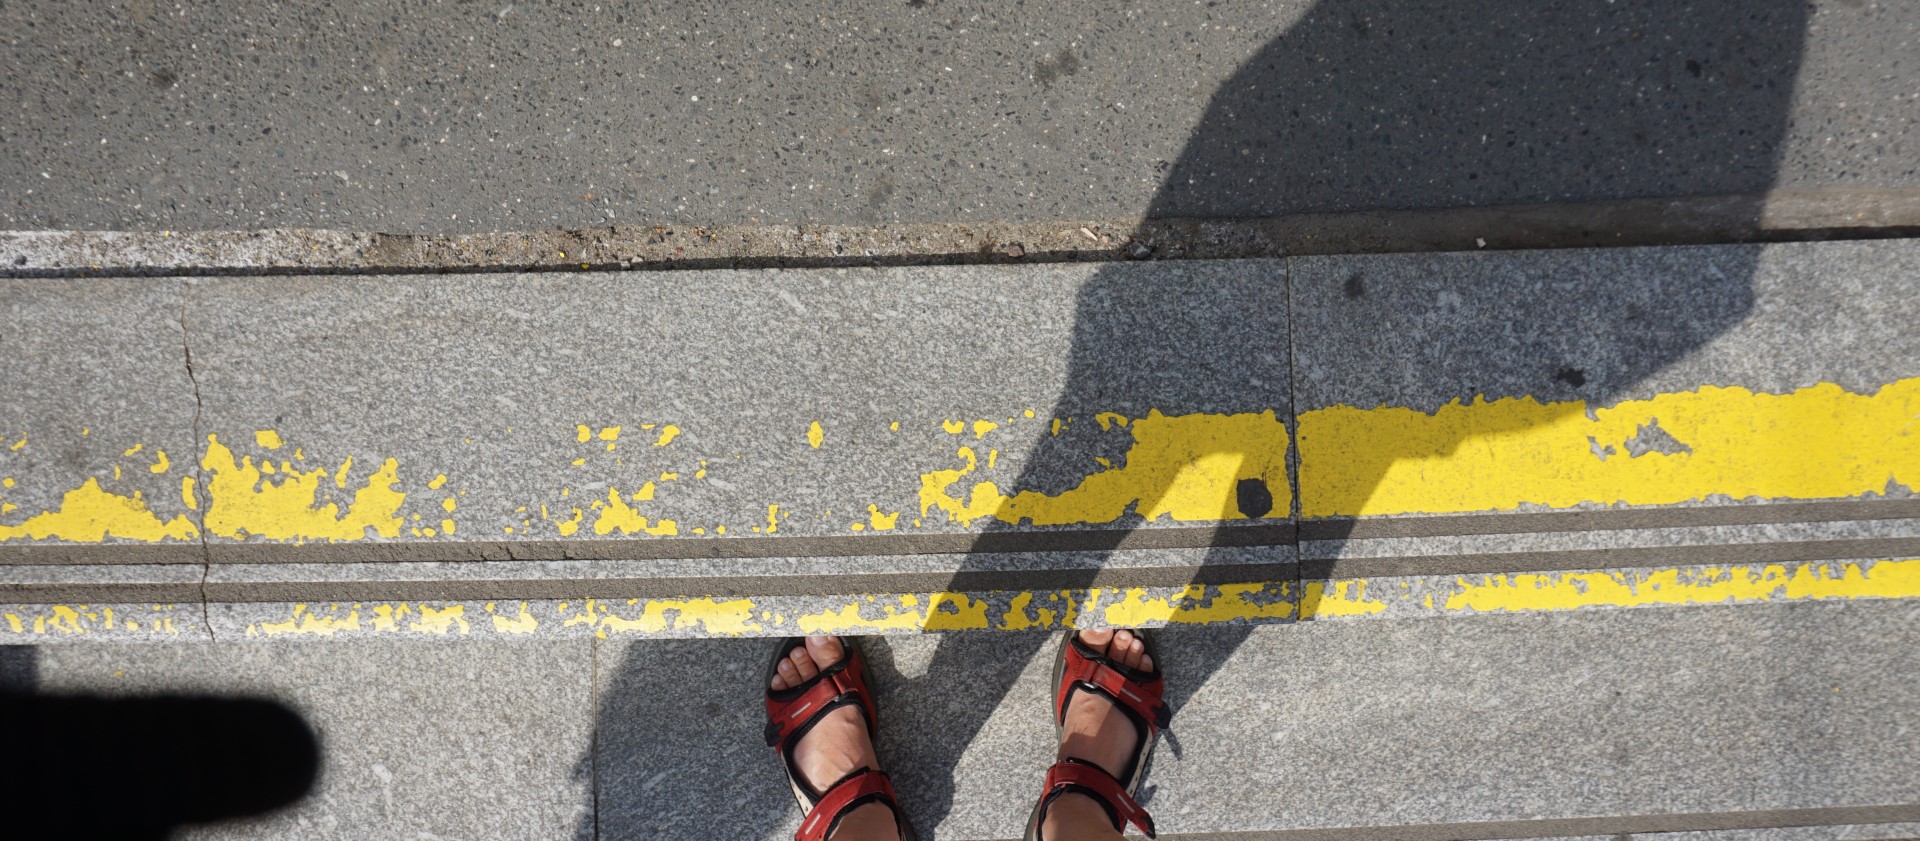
column 1668, row 712
column 1504, row 354
column 1770, row 318
column 1851, row 832
column 1382, row 726
column 417, row 740
column 587, row 409
column 516, row 116
column 97, row 422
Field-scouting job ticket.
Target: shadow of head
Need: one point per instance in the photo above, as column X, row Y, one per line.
column 1390, row 104
column 140, row 767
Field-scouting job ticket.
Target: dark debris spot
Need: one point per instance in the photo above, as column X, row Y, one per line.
column 1048, row 70
column 1571, row 376
column 1356, row 287
column 1253, row 497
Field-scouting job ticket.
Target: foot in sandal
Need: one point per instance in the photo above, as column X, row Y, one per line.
column 1108, row 709
column 821, row 716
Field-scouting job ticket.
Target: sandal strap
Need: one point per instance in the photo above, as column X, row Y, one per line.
column 1077, row 775
column 1136, row 691
column 853, row 791
column 791, row 712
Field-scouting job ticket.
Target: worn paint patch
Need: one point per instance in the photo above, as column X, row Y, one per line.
column 616, row 515
column 522, row 623
column 92, row 514
column 906, row 612
column 89, row 621
column 1201, row 604
column 1534, row 592
column 715, row 617
column 1184, row 468
column 1818, row 442
column 246, row 500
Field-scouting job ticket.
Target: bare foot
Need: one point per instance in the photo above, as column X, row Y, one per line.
column 837, row 744
column 1098, row 733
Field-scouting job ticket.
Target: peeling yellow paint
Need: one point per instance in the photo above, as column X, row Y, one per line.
column 1528, row 592
column 880, row 521
column 439, row 481
column 944, row 612
column 953, row 427
column 1185, row 467
column 243, row 503
column 441, row 621
column 1337, row 598
column 667, row 434
column 616, row 514
column 307, row 623
column 815, row 435
column 1813, row 443
column 524, row 623
column 720, row 617
column 1199, row 604
column 90, row 514
column 267, row 438
column 982, row 427
column 160, row 462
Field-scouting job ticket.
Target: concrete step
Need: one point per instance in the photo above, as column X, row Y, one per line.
column 764, row 452
column 1709, row 719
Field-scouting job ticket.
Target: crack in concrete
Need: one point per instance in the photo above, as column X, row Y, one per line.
column 200, row 502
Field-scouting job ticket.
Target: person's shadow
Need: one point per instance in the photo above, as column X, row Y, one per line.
column 202, row 758
column 1360, row 105
column 1365, row 104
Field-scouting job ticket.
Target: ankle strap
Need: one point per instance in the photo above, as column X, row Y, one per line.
column 851, row 792
column 1083, row 777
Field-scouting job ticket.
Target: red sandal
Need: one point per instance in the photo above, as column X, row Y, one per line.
column 793, row 711
column 1133, row 692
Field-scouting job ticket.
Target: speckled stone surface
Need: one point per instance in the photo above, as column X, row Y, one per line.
column 413, row 115
column 1328, row 724
column 417, row 740
column 97, row 416
column 1497, row 718
column 770, row 403
column 1426, row 329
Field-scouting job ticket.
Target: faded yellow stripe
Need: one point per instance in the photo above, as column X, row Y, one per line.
column 1814, row 443
column 1181, row 467
column 1046, row 610
column 1535, row 592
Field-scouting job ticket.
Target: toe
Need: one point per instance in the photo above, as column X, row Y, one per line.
column 1097, row 639
column 785, row 675
column 803, row 665
column 825, row 651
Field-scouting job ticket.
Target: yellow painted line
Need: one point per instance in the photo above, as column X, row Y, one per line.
column 1195, row 605
column 96, row 621
column 1181, row 467
column 1819, row 442
column 92, row 514
column 1548, row 592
